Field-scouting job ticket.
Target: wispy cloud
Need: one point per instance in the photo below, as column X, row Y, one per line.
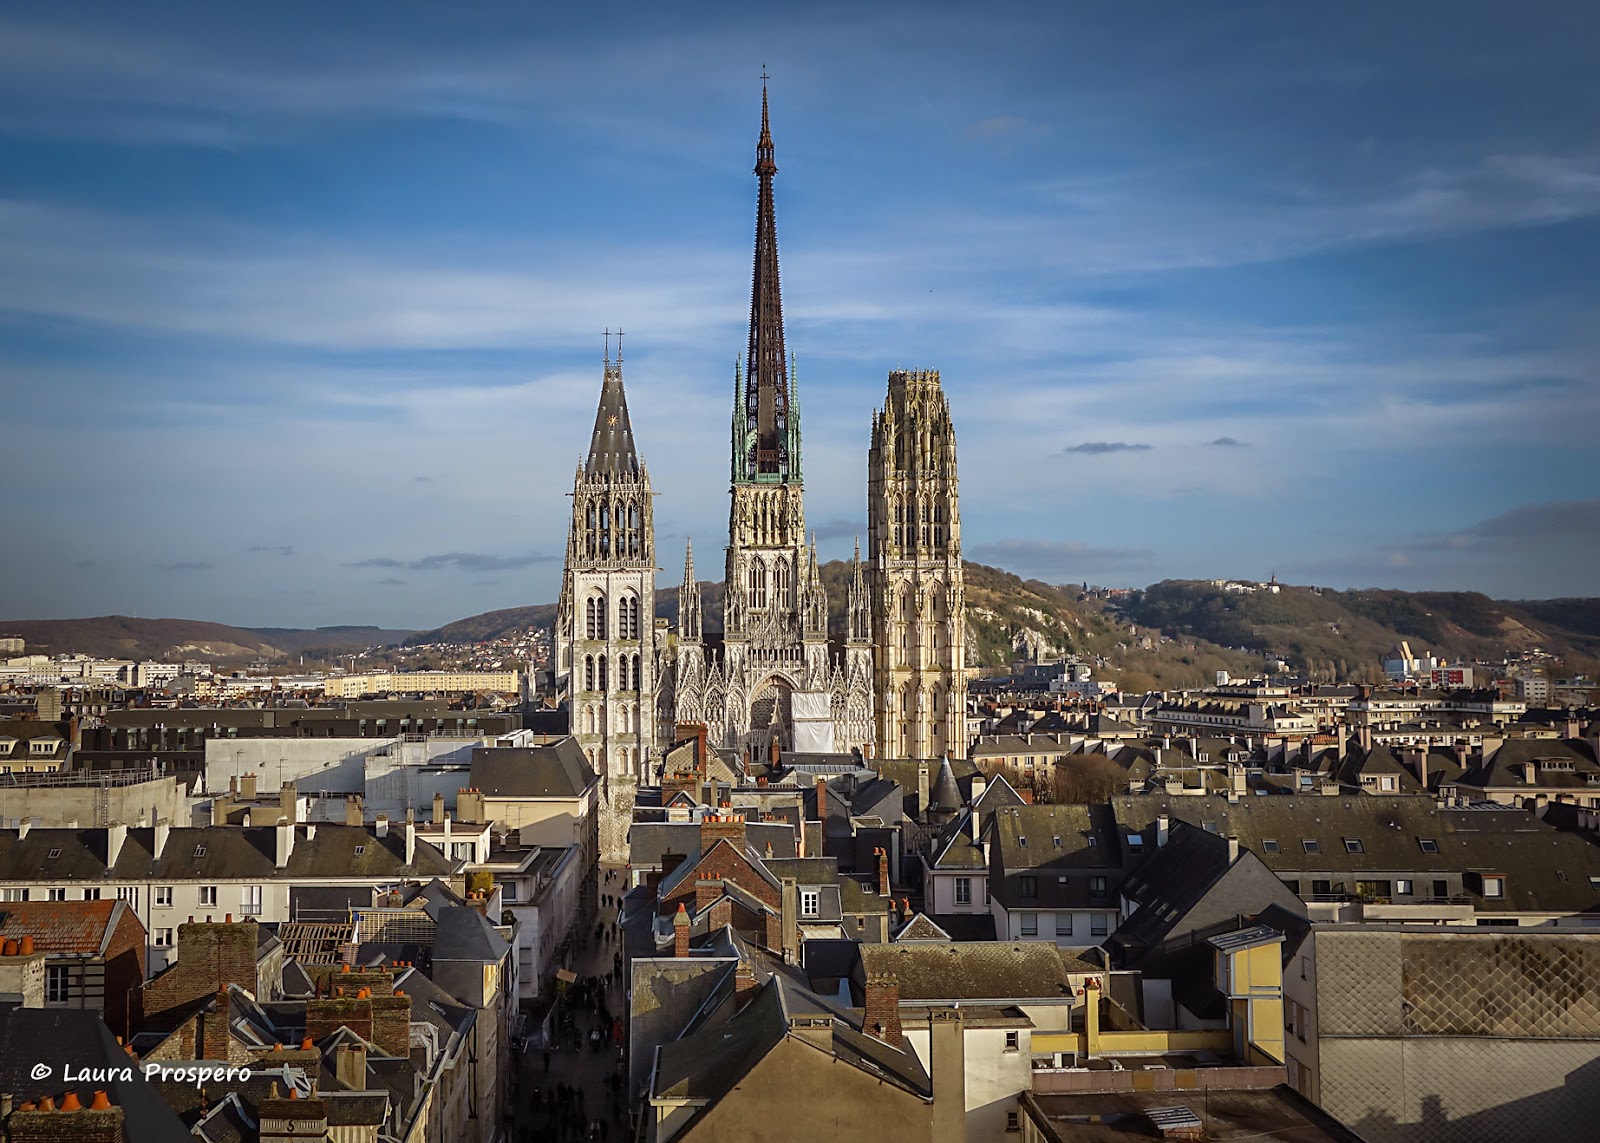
column 1227, row 442
column 1099, row 448
column 185, row 565
column 274, row 549
column 456, row 561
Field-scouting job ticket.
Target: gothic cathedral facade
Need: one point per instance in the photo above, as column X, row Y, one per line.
column 918, row 604
column 606, row 662
column 777, row 682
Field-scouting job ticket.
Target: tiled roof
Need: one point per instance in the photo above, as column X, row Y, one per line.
column 969, row 970
column 84, row 927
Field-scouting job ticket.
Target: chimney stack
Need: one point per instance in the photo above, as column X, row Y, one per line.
column 883, row 871
column 680, row 932
column 285, row 846
column 882, row 1009
column 789, row 919
column 922, row 788
column 438, row 808
column 1233, row 848
column 1163, row 830
column 822, row 801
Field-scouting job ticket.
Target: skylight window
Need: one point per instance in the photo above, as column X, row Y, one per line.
column 1353, row 845
column 1057, row 840
column 199, row 851
column 1428, row 845
column 54, row 853
column 1269, row 845
column 1310, row 844
column 360, row 849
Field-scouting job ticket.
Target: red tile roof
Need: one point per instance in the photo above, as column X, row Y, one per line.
column 60, row 926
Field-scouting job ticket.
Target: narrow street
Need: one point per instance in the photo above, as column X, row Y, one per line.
column 570, row 1088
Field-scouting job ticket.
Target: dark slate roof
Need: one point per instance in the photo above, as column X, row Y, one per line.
column 945, row 794
column 559, row 770
column 648, row 841
column 611, row 451
column 707, row 1064
column 920, row 928
column 968, row 970
column 464, row 934
column 57, row 1037
column 1170, row 881
column 1547, row 870
column 216, row 853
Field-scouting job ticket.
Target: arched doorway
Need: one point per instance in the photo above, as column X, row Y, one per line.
column 770, row 716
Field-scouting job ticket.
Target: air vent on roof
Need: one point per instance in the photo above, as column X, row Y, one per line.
column 55, row 853
column 360, row 849
column 199, row 851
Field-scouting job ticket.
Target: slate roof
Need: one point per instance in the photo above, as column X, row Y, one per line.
column 464, row 934
column 919, row 928
column 968, row 970
column 558, row 770
column 216, row 853
column 1547, row 870
column 944, row 794
column 648, row 841
column 707, row 1064
column 57, row 1037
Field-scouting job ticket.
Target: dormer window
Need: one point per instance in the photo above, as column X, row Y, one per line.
column 810, row 903
column 1494, row 885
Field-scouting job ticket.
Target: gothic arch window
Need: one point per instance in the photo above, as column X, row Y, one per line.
column 758, row 585
column 605, row 530
column 595, row 616
column 636, row 684
column 780, row 583
column 600, row 672
column 628, row 617
column 588, row 672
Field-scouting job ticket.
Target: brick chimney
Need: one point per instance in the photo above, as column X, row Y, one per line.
column 323, row 1017
column 98, row 1123
column 744, row 982
column 883, row 871
column 882, row 1009
column 680, row 932
column 720, row 825
column 706, row 890
column 214, row 1034
column 822, row 799
column 391, row 1023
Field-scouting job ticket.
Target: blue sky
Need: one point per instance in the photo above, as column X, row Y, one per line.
column 300, row 305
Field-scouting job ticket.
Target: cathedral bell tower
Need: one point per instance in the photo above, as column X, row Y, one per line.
column 918, row 599
column 605, row 620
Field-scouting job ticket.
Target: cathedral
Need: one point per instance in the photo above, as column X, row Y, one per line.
column 889, row 681
column 776, row 680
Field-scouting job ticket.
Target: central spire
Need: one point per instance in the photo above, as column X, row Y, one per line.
column 766, row 446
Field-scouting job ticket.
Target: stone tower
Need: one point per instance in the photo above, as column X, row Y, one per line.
column 775, row 680
column 918, row 607
column 605, row 620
